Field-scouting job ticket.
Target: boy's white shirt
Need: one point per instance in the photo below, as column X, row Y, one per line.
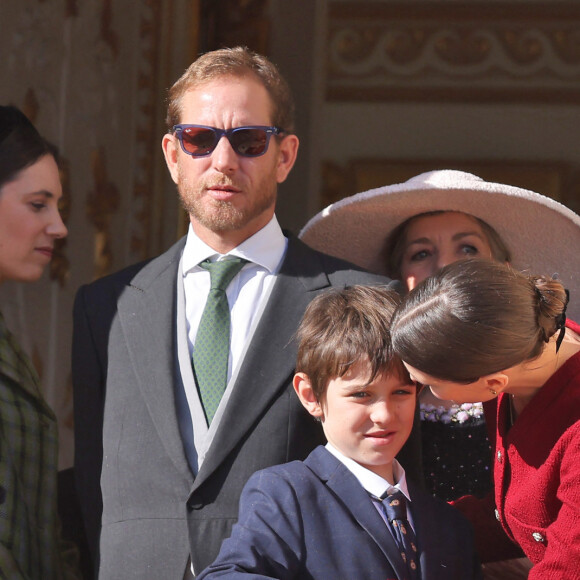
column 374, row 484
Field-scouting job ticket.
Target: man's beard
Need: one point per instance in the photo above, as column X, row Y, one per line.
column 222, row 216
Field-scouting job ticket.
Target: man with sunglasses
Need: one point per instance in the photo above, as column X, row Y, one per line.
column 172, row 470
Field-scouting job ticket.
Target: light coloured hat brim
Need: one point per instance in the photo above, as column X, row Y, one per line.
column 542, row 234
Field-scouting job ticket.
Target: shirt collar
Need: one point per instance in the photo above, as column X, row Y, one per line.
column 373, row 483
column 265, row 248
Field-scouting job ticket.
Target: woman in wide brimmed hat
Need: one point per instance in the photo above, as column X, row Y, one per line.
column 410, row 230
column 541, row 234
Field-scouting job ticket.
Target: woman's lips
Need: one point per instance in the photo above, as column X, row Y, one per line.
column 45, row 251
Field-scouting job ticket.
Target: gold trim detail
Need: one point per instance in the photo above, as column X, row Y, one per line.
column 146, row 136
column 339, row 181
column 237, row 22
column 102, row 203
column 437, row 51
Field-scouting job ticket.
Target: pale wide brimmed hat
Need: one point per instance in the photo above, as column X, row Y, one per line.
column 542, row 235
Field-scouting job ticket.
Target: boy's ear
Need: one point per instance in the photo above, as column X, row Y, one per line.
column 306, row 395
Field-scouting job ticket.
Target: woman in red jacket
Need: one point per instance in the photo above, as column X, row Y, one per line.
column 481, row 331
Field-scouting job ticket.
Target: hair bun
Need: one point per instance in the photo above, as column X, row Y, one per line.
column 552, row 301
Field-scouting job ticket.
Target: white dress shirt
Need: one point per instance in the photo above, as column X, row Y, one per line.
column 376, row 485
column 247, row 293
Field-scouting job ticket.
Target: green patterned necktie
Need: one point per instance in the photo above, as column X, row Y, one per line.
column 212, row 342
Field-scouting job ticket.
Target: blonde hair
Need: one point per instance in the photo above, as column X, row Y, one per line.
column 237, row 62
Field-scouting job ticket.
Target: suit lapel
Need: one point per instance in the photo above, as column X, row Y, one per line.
column 269, row 362
column 147, row 317
column 357, row 501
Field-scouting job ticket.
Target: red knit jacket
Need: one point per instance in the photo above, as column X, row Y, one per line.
column 537, row 480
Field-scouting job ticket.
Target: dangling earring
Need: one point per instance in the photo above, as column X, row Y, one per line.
column 494, row 393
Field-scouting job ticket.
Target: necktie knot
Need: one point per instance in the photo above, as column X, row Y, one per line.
column 395, row 506
column 223, row 272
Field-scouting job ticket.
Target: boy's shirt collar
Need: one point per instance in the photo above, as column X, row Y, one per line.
column 374, row 484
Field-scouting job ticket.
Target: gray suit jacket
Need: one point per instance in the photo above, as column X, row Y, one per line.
column 124, row 363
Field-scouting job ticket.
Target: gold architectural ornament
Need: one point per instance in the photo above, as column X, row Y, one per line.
column 102, row 203
column 30, row 106
column 71, row 8
column 237, row 22
column 507, row 51
column 551, row 178
column 108, row 35
column 146, row 136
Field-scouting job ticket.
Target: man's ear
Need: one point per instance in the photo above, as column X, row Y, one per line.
column 170, row 151
column 306, row 395
column 286, row 156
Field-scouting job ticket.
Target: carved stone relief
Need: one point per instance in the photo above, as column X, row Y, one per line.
column 480, row 51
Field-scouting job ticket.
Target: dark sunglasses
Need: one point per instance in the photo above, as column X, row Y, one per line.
column 200, row 141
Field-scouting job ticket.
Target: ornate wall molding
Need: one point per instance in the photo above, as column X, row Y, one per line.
column 102, row 203
column 235, row 22
column 147, row 123
column 509, row 51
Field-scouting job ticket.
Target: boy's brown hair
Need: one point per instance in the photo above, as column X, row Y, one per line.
column 344, row 326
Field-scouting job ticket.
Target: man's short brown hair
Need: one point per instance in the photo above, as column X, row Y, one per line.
column 344, row 326
column 237, row 62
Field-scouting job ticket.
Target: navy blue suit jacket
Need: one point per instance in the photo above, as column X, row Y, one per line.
column 313, row 520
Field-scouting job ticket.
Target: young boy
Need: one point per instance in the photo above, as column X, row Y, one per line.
column 323, row 518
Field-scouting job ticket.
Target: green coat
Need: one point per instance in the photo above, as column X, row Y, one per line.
column 29, row 530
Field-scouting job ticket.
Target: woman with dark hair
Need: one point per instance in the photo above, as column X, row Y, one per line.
column 30, row 224
column 481, row 331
